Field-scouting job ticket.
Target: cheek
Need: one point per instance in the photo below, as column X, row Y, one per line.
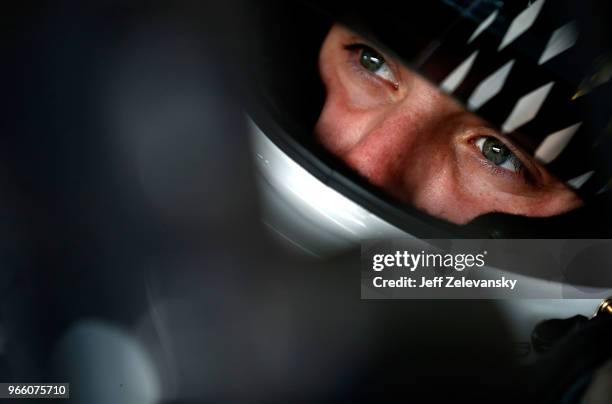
column 342, row 124
column 443, row 195
column 541, row 201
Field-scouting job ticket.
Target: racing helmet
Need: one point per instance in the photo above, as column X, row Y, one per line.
column 538, row 71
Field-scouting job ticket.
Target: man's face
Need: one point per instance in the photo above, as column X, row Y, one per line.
column 405, row 136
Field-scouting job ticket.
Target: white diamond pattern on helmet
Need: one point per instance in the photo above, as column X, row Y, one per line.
column 526, row 108
column 483, row 25
column 490, row 86
column 554, row 143
column 521, row 23
column 605, row 188
column 561, row 40
column 580, row 180
column 455, row 78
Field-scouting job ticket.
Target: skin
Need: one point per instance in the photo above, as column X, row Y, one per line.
column 405, row 136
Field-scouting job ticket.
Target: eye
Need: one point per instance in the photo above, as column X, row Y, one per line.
column 375, row 63
column 498, row 153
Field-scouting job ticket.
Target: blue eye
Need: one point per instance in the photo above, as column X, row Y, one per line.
column 498, row 153
column 375, row 63
column 371, row 60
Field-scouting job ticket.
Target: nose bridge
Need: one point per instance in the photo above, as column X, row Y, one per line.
column 395, row 152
